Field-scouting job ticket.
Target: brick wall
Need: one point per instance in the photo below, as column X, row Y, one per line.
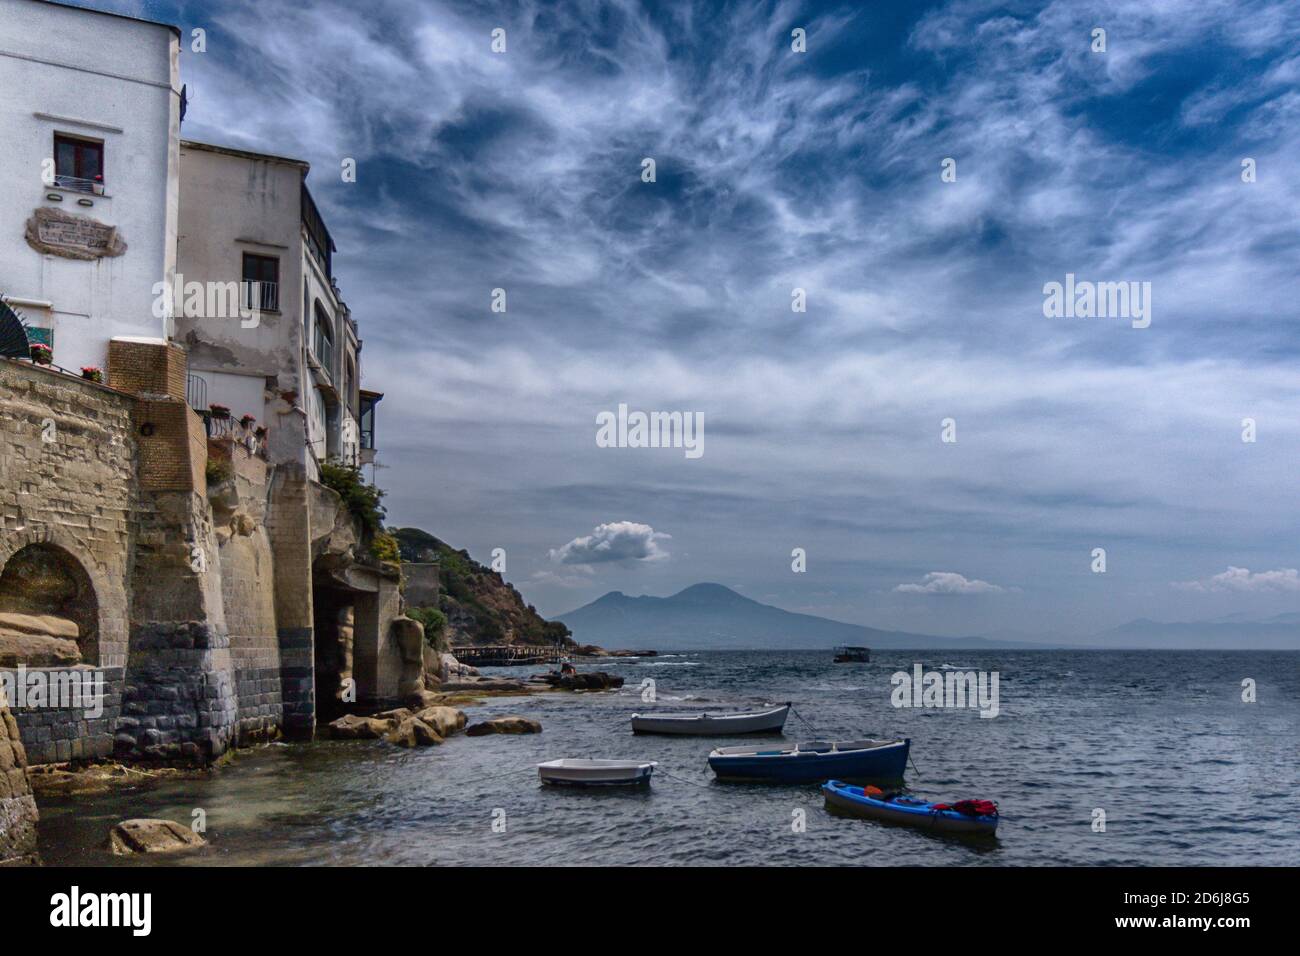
column 173, row 446
column 147, row 368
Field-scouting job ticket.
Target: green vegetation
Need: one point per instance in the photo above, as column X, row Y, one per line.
column 361, row 499
column 435, row 623
column 384, row 547
column 484, row 607
column 217, row 471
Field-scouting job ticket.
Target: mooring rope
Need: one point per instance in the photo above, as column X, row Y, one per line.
column 497, row 776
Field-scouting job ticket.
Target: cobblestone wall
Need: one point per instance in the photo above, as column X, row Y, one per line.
column 60, row 734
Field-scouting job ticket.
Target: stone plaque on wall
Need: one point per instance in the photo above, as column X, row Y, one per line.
column 73, row 237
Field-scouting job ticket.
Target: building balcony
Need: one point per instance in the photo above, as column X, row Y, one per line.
column 76, row 184
column 261, row 296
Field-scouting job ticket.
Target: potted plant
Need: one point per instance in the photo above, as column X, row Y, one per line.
column 260, row 433
column 247, row 421
column 92, row 373
column 42, row 354
column 219, row 411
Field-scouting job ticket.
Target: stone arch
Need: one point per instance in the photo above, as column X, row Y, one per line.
column 45, row 571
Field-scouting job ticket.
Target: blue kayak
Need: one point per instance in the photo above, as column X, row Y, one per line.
column 813, row 762
column 849, row 799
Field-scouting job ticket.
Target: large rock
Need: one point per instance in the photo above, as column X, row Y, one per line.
column 408, row 635
column 444, row 720
column 152, row 836
column 413, row 732
column 483, row 684
column 594, row 680
column 17, row 807
column 352, row 727
column 504, row 725
column 453, row 669
column 422, row 699
column 38, row 640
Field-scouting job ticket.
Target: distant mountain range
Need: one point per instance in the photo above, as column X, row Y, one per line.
column 713, row 616
column 1233, row 632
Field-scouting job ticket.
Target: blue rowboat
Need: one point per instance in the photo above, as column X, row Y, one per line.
column 813, row 762
column 846, row 798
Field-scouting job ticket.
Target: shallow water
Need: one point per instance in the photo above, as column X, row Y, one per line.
column 1186, row 772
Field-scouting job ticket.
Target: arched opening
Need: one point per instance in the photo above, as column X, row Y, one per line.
column 48, row 598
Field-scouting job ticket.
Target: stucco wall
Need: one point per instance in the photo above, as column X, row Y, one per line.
column 231, row 204
column 102, row 78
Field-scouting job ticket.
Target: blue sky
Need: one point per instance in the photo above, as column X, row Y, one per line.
column 819, row 170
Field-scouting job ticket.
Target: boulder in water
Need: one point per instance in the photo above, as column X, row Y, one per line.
column 504, row 725
column 131, row 837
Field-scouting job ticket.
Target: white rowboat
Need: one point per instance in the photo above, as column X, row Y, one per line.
column 712, row 725
column 596, row 773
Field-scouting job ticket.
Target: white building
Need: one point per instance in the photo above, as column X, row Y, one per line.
column 90, row 110
column 292, row 358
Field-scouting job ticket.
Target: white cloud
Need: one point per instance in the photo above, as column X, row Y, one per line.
column 949, row 582
column 624, row 541
column 1241, row 580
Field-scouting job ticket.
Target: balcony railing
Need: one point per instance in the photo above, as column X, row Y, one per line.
column 77, row 184
column 261, row 296
column 196, row 393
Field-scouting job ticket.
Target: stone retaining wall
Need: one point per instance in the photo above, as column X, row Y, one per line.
column 17, row 808
column 61, row 734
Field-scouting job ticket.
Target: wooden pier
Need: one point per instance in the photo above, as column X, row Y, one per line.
column 507, row 655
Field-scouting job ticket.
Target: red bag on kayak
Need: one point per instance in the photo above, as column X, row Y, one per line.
column 975, row 808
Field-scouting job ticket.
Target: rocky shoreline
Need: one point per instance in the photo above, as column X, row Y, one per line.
column 428, row 719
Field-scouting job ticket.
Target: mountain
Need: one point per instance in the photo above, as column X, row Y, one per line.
column 1279, row 633
column 481, row 607
column 716, row 617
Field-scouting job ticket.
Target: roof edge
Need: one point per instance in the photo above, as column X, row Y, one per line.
column 243, row 153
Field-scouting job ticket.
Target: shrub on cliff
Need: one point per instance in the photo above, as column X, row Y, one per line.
column 435, row 623
column 384, row 548
column 360, row 497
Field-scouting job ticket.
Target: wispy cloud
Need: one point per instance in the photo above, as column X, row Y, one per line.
column 949, row 582
column 818, row 171
column 1241, row 580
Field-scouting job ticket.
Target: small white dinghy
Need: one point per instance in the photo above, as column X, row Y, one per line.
column 573, row 772
column 713, row 725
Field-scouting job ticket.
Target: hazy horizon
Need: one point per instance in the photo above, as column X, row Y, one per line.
column 822, row 171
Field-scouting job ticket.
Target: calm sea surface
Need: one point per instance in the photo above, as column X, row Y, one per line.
column 1185, row 771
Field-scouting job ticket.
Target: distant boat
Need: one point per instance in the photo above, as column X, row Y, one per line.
column 858, row 802
column 852, row 655
column 814, row 762
column 713, row 725
column 596, row 773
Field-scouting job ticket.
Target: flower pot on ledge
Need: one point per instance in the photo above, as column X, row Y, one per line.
column 42, row 354
column 92, row 374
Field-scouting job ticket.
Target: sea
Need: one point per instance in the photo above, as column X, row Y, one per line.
column 1095, row 758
